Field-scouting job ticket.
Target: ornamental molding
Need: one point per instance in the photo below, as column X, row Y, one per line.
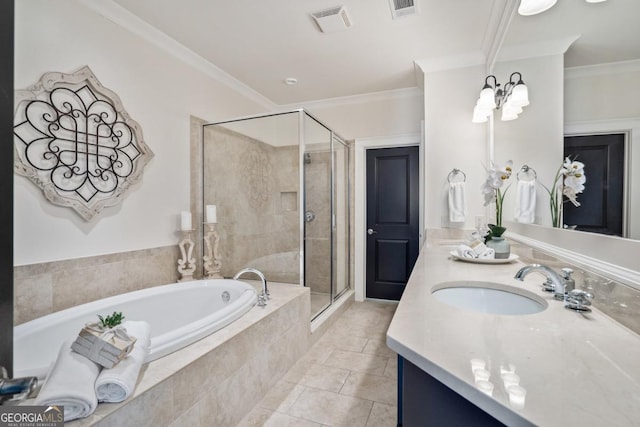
column 76, row 142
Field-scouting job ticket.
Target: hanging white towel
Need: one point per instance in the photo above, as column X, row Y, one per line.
column 525, row 211
column 70, row 383
column 457, row 208
column 118, row 383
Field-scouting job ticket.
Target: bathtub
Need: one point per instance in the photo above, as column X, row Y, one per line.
column 179, row 314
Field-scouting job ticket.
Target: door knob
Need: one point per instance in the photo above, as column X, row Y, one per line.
column 371, row 231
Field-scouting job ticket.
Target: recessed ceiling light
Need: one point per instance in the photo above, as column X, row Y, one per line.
column 291, row 81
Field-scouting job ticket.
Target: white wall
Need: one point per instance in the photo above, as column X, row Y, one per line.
column 157, row 91
column 375, row 115
column 453, row 141
column 535, row 138
column 593, row 96
column 160, row 92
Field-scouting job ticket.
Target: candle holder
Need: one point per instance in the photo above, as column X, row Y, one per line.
column 186, row 264
column 212, row 260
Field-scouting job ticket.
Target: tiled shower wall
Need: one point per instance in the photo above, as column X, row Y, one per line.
column 255, row 188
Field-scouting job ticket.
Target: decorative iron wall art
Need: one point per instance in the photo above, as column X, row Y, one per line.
column 74, row 140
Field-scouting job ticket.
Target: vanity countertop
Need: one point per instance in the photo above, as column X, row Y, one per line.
column 577, row 369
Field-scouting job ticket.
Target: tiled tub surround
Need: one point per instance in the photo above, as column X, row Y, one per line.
column 41, row 289
column 219, row 379
column 578, row 369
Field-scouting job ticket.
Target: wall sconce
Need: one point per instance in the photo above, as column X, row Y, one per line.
column 510, row 99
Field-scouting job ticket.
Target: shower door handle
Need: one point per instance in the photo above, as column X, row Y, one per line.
column 371, row 231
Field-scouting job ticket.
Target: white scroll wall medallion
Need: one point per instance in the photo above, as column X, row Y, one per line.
column 75, row 141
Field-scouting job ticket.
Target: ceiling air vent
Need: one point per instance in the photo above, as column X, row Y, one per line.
column 333, row 19
column 401, row 8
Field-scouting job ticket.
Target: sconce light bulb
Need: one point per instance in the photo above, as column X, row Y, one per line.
column 487, row 99
column 520, row 95
column 479, row 115
column 508, row 114
column 533, row 7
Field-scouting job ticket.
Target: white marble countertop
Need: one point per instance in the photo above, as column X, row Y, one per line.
column 577, row 369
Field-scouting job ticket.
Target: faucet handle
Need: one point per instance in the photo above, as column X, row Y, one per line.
column 566, row 273
column 262, row 300
column 548, row 285
column 578, row 300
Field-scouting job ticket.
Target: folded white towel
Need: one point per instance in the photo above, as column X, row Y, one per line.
column 70, row 383
column 489, row 253
column 465, row 251
column 525, row 210
column 457, row 208
column 118, row 383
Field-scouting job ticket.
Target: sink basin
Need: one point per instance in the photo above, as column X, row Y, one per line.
column 489, row 297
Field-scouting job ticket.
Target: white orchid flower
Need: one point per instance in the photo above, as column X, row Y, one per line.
column 505, row 170
column 572, row 195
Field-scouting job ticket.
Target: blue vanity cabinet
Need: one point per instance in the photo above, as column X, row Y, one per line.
column 425, row 401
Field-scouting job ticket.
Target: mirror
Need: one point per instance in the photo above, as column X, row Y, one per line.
column 593, row 88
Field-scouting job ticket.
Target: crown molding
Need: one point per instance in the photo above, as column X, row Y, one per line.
column 536, row 49
column 130, row 22
column 499, row 22
column 387, row 95
column 621, row 67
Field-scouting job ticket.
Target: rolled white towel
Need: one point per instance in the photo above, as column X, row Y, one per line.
column 478, row 247
column 70, row 383
column 457, row 207
column 489, row 253
column 465, row 251
column 118, row 383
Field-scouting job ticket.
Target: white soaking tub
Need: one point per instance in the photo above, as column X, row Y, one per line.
column 179, row 314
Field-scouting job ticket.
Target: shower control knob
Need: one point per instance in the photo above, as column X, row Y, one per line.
column 371, row 231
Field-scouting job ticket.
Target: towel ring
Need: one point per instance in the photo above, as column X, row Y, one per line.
column 455, row 172
column 527, row 169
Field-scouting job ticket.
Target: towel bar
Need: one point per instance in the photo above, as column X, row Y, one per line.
column 455, row 172
column 526, row 169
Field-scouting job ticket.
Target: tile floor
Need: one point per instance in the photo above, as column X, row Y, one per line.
column 348, row 378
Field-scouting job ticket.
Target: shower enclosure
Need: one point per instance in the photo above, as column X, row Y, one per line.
column 280, row 183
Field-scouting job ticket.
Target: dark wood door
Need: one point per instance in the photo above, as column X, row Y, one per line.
column 392, row 220
column 601, row 203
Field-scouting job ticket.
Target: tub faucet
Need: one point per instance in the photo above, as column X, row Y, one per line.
column 262, row 298
column 557, row 281
column 17, row 388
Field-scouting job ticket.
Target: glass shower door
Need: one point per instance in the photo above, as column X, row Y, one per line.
column 340, row 212
column 317, row 214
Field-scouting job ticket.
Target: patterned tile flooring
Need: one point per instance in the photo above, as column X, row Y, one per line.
column 348, row 378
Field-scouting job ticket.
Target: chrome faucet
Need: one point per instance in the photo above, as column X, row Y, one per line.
column 17, row 388
column 262, row 298
column 557, row 281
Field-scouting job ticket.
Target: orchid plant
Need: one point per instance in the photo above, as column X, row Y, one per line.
column 492, row 192
column 569, row 182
